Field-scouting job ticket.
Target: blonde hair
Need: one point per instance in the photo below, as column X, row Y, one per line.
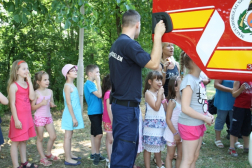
column 185, row 61
column 164, row 44
column 13, row 73
column 38, row 77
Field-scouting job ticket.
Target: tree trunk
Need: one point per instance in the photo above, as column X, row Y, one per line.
column 80, row 79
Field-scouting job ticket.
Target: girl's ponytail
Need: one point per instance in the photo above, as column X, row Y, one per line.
column 182, row 64
column 185, row 61
column 171, row 87
column 106, row 84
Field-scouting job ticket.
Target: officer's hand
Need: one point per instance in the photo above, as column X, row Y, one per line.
column 160, row 28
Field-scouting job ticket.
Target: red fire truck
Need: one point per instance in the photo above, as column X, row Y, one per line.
column 216, row 34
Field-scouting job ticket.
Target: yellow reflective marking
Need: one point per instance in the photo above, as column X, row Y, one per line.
column 192, row 19
column 231, row 59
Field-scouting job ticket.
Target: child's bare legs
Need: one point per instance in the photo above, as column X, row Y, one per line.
column 22, row 151
column 109, row 142
column 14, row 153
column 67, row 146
column 147, row 157
column 97, row 143
column 246, row 141
column 217, row 135
column 197, row 152
column 190, row 150
column 93, row 151
column 179, row 154
column 158, row 159
column 232, row 140
column 72, row 155
column 52, row 137
column 40, row 133
column 169, row 156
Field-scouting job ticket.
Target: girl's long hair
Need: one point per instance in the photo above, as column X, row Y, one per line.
column 185, row 61
column 13, row 74
column 151, row 75
column 171, row 87
column 38, row 77
column 106, row 84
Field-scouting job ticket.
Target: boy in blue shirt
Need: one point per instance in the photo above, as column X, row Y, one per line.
column 93, row 97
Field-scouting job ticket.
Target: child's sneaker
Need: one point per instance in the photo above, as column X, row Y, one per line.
column 246, row 150
column 232, row 152
column 101, row 157
column 91, row 157
column 96, row 159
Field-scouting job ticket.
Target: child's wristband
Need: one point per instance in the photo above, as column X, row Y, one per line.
column 175, row 133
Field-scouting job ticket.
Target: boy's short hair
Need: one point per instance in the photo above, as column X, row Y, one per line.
column 90, row 68
column 130, row 18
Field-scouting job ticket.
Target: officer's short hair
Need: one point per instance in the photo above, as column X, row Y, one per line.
column 130, row 18
column 90, row 68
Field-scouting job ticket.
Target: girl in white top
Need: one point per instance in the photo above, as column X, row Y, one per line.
column 154, row 122
column 171, row 134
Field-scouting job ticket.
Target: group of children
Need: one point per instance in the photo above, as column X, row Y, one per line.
column 177, row 120
column 180, row 116
column 23, row 100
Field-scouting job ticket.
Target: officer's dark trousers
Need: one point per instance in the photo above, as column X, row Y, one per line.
column 125, row 134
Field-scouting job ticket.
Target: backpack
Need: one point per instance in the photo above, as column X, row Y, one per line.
column 211, row 108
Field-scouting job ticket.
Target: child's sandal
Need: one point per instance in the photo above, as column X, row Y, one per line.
column 219, row 144
column 52, row 157
column 32, row 165
column 45, row 162
column 238, row 145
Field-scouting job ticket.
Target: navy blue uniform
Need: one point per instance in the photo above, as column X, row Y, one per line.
column 126, row 60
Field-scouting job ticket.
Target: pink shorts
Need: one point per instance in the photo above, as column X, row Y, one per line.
column 42, row 121
column 107, row 127
column 191, row 132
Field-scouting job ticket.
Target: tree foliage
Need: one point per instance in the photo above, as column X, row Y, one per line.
column 45, row 33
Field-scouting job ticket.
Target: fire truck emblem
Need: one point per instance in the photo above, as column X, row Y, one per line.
column 241, row 19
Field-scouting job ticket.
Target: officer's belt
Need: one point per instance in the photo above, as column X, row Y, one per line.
column 126, row 103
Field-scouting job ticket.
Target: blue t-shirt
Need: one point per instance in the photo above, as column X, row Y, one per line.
column 224, row 100
column 94, row 103
column 126, row 60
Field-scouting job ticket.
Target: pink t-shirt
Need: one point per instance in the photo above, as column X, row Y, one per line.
column 105, row 117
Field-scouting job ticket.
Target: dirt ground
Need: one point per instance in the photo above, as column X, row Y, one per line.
column 81, row 144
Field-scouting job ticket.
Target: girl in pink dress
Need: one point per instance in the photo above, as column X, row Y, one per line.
column 20, row 91
column 107, row 117
column 43, row 117
column 171, row 134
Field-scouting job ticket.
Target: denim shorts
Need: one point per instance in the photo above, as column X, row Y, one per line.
column 221, row 119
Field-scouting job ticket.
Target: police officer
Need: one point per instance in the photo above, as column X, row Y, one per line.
column 126, row 60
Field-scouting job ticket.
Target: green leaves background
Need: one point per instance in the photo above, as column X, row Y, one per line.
column 45, row 33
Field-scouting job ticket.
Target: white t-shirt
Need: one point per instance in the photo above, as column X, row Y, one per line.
column 198, row 100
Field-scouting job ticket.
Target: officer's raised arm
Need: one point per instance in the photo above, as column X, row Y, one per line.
column 156, row 52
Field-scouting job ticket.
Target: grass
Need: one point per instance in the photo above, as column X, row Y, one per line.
column 210, row 155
